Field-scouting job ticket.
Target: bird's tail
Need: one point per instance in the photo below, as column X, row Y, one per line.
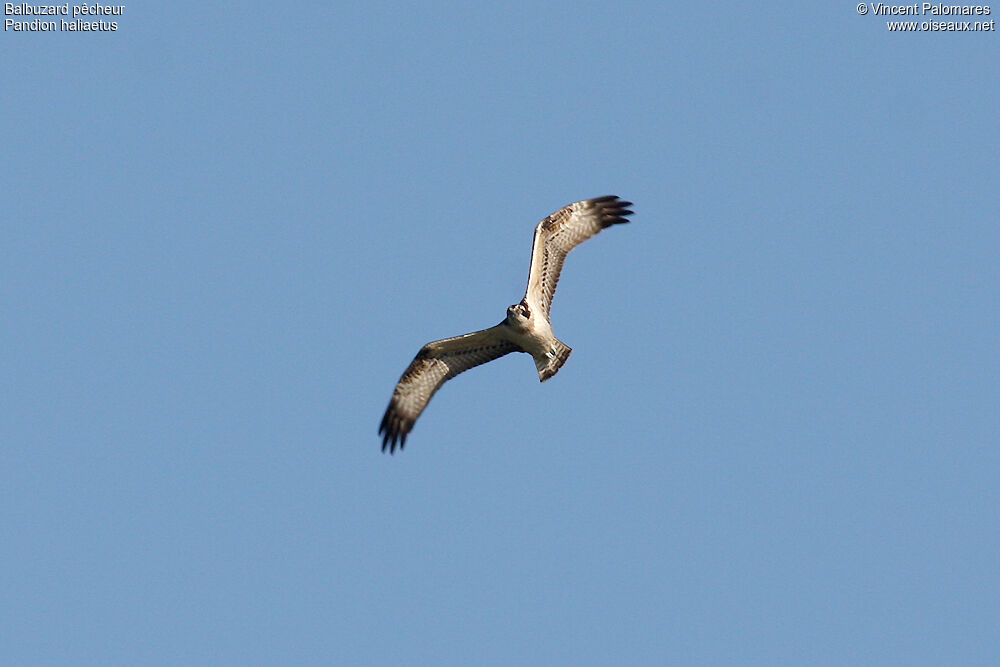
column 548, row 364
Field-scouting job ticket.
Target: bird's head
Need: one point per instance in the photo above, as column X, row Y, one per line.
column 519, row 315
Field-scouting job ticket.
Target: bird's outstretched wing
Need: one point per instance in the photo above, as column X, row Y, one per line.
column 559, row 233
column 435, row 364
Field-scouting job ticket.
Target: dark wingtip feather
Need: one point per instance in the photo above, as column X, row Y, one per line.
column 394, row 429
column 613, row 210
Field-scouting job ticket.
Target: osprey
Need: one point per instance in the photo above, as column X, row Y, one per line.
column 526, row 328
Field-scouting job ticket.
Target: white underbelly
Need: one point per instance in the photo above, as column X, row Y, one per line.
column 538, row 340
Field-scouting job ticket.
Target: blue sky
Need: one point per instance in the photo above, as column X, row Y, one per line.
column 228, row 228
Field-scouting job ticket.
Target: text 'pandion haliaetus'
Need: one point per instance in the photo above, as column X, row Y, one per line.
column 526, row 328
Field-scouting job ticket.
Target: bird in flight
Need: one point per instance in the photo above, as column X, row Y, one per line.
column 526, row 328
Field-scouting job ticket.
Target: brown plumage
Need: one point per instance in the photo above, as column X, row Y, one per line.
column 527, row 327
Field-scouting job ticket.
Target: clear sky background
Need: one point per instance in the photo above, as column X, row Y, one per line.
column 228, row 227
